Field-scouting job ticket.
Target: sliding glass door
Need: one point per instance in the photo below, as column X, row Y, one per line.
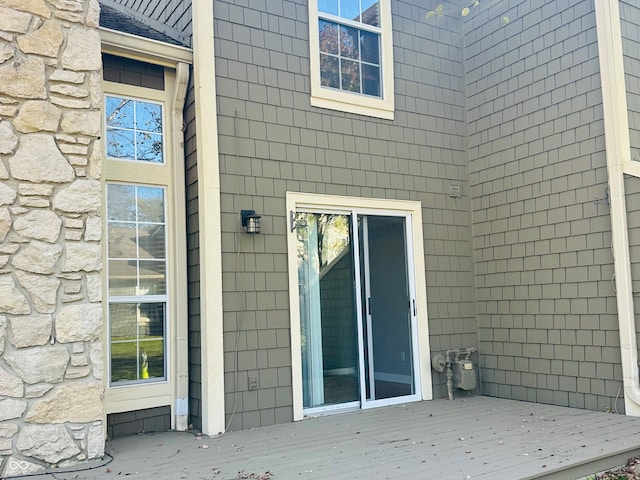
column 357, row 310
column 387, row 309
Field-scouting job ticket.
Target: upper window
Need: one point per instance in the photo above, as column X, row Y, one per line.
column 351, row 56
column 134, row 130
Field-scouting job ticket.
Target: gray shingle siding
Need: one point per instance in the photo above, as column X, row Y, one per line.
column 193, row 259
column 546, row 309
column 272, row 141
column 520, row 265
column 630, row 26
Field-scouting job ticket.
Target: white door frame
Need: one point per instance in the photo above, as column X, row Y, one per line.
column 420, row 329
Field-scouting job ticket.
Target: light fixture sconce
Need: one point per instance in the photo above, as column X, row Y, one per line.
column 250, row 221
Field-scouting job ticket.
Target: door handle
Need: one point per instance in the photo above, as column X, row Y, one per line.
column 414, row 306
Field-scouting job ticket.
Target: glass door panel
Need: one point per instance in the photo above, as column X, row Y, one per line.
column 387, row 300
column 327, row 310
column 357, row 318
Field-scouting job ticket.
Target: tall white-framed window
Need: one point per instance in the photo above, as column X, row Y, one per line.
column 144, row 249
column 137, row 283
column 351, row 56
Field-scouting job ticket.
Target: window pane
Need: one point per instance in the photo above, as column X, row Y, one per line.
column 123, row 361
column 370, row 47
column 121, row 202
column 138, row 350
column 349, row 42
column 142, row 237
column 151, row 321
column 328, row 37
column 148, row 147
column 150, row 204
column 134, row 130
column 371, row 80
column 151, row 241
column 329, row 71
column 152, row 278
column 343, row 48
column 149, row 117
column 119, row 112
column 123, row 277
column 328, row 6
column 370, row 12
column 120, row 144
column 122, row 240
column 123, row 321
column 350, row 9
column 350, row 75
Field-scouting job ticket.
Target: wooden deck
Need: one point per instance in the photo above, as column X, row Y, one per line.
column 471, row 438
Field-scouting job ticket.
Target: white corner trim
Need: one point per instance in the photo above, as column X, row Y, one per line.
column 211, row 323
column 618, row 152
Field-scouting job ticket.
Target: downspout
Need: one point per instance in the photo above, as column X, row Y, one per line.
column 180, row 420
column 617, row 150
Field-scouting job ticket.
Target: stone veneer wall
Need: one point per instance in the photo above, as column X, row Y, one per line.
column 51, row 366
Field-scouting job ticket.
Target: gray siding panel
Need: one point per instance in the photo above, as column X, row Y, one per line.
column 272, row 141
column 630, row 26
column 193, row 260
column 541, row 239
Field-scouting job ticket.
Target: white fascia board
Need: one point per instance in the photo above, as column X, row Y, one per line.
column 143, row 49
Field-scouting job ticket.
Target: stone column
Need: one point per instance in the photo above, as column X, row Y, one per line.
column 51, row 365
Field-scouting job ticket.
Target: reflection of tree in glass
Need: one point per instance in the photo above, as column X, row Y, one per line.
column 121, row 203
column 134, row 135
column 343, row 41
column 128, row 203
column 150, row 205
column 333, row 236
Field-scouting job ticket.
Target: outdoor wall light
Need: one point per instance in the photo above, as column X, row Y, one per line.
column 250, row 221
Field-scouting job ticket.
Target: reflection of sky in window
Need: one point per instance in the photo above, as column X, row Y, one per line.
column 119, row 112
column 350, row 10
column 134, row 130
column 365, row 11
column 148, row 117
column 328, row 6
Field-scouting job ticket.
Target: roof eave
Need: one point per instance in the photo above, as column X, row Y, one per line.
column 143, row 49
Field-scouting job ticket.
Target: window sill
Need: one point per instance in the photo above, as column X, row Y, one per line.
column 351, row 103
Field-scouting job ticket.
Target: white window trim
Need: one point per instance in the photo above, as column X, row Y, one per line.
column 174, row 390
column 335, row 99
column 305, row 201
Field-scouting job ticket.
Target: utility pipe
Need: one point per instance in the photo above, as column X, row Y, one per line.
column 617, row 150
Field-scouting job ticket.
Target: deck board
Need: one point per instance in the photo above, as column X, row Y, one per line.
column 473, row 437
